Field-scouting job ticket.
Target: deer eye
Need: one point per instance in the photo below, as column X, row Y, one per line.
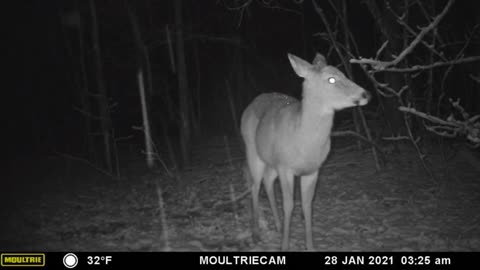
column 331, row 80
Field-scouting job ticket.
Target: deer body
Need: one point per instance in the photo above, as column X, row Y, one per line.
column 285, row 137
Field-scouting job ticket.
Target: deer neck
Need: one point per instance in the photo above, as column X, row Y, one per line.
column 316, row 118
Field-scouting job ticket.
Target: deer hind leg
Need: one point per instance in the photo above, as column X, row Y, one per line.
column 256, row 168
column 269, row 177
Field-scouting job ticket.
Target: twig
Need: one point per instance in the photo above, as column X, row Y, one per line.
column 86, row 162
column 232, row 199
column 353, row 133
column 348, row 67
column 475, row 79
column 163, row 217
column 88, row 114
column 383, row 65
column 401, row 21
column 417, row 67
column 451, row 127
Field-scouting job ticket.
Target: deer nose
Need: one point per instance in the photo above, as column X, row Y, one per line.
column 363, row 99
column 366, row 95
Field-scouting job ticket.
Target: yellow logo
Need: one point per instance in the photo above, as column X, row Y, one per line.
column 22, row 259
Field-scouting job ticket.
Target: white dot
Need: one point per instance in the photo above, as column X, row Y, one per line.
column 70, row 260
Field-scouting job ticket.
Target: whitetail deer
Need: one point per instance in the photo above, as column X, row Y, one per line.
column 285, row 137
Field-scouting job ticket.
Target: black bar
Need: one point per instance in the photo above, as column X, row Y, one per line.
column 263, row 260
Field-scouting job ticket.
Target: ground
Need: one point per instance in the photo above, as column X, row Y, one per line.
column 59, row 204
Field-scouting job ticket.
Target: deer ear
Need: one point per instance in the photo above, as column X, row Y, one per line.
column 319, row 61
column 300, row 66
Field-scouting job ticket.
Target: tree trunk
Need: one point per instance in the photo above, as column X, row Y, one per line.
column 85, row 97
column 102, row 98
column 185, row 132
column 391, row 31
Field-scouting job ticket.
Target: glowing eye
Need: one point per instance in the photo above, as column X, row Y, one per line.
column 331, row 80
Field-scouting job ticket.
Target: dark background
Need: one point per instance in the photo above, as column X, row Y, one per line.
column 44, row 51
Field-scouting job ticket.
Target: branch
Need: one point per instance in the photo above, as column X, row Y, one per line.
column 451, row 127
column 85, row 161
column 87, row 114
column 475, row 79
column 353, row 133
column 401, row 21
column 382, row 65
column 374, row 63
column 434, row 65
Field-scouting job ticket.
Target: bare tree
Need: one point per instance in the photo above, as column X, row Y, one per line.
column 185, row 128
column 104, row 117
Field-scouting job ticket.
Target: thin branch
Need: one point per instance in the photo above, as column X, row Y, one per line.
column 451, row 127
column 353, row 133
column 382, row 65
column 420, row 36
column 331, row 36
column 402, row 22
column 87, row 114
column 415, row 68
column 82, row 160
column 475, row 79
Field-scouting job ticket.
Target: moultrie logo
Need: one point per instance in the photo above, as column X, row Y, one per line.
column 22, row 259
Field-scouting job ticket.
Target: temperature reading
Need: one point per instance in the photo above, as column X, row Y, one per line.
column 99, row 260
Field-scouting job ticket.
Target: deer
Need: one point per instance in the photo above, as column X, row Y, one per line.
column 285, row 137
